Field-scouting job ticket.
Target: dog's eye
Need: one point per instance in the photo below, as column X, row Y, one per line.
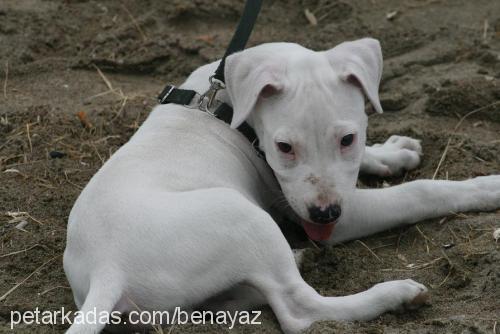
column 347, row 140
column 285, row 147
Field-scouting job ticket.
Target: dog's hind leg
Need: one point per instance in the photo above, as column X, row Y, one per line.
column 297, row 305
column 102, row 297
column 396, row 155
column 264, row 261
column 243, row 297
column 368, row 211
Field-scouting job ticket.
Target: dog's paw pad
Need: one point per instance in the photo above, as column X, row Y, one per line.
column 402, row 142
column 395, row 156
column 423, row 298
column 402, row 295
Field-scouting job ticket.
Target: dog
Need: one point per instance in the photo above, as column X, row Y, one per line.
column 183, row 216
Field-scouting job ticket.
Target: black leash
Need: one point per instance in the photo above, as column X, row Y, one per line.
column 206, row 101
column 241, row 35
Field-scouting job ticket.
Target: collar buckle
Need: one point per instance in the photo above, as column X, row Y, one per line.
column 165, row 93
column 207, row 101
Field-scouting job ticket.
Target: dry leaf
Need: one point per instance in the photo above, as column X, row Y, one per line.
column 82, row 116
column 208, row 38
column 22, row 224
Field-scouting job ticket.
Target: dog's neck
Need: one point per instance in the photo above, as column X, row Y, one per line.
column 199, row 82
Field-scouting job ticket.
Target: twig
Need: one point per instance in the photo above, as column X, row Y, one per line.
column 35, row 220
column 459, row 214
column 156, row 328
column 368, row 248
column 116, row 91
column 383, row 246
column 104, row 78
column 98, row 154
column 398, row 242
column 322, row 8
column 5, row 295
column 29, row 137
column 474, row 112
column 15, row 214
column 53, row 288
column 105, row 139
column 425, row 265
column 454, row 234
column 136, row 24
column 486, row 26
column 314, row 244
column 70, row 182
column 445, row 279
column 118, row 113
column 445, row 256
column 417, row 267
column 20, row 251
column 443, row 156
column 310, row 17
column 423, row 235
column 101, row 94
column 6, row 142
column 457, row 126
column 6, row 79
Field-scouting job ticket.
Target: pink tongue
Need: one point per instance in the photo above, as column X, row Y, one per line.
column 318, row 232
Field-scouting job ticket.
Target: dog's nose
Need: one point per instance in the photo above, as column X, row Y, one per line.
column 324, row 215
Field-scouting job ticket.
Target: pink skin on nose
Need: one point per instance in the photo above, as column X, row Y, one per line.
column 324, row 201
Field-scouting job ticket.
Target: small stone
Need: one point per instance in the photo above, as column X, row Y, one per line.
column 391, row 15
column 22, row 224
column 57, row 154
column 496, row 234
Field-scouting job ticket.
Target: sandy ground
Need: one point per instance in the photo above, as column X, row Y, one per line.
column 442, row 61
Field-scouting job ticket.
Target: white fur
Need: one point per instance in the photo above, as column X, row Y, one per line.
column 181, row 215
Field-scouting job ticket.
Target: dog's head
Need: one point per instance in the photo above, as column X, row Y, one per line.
column 308, row 111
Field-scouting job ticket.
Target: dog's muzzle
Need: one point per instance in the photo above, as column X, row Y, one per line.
column 321, row 221
column 324, row 215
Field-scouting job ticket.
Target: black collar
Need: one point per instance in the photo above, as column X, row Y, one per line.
column 191, row 99
column 207, row 102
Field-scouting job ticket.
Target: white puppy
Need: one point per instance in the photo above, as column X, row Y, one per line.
column 181, row 213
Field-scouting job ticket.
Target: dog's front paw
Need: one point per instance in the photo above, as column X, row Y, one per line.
column 402, row 295
column 396, row 155
column 487, row 190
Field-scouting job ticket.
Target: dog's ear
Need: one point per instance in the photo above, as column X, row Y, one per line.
column 360, row 63
column 249, row 77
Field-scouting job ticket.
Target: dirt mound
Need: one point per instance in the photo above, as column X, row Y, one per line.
column 478, row 95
